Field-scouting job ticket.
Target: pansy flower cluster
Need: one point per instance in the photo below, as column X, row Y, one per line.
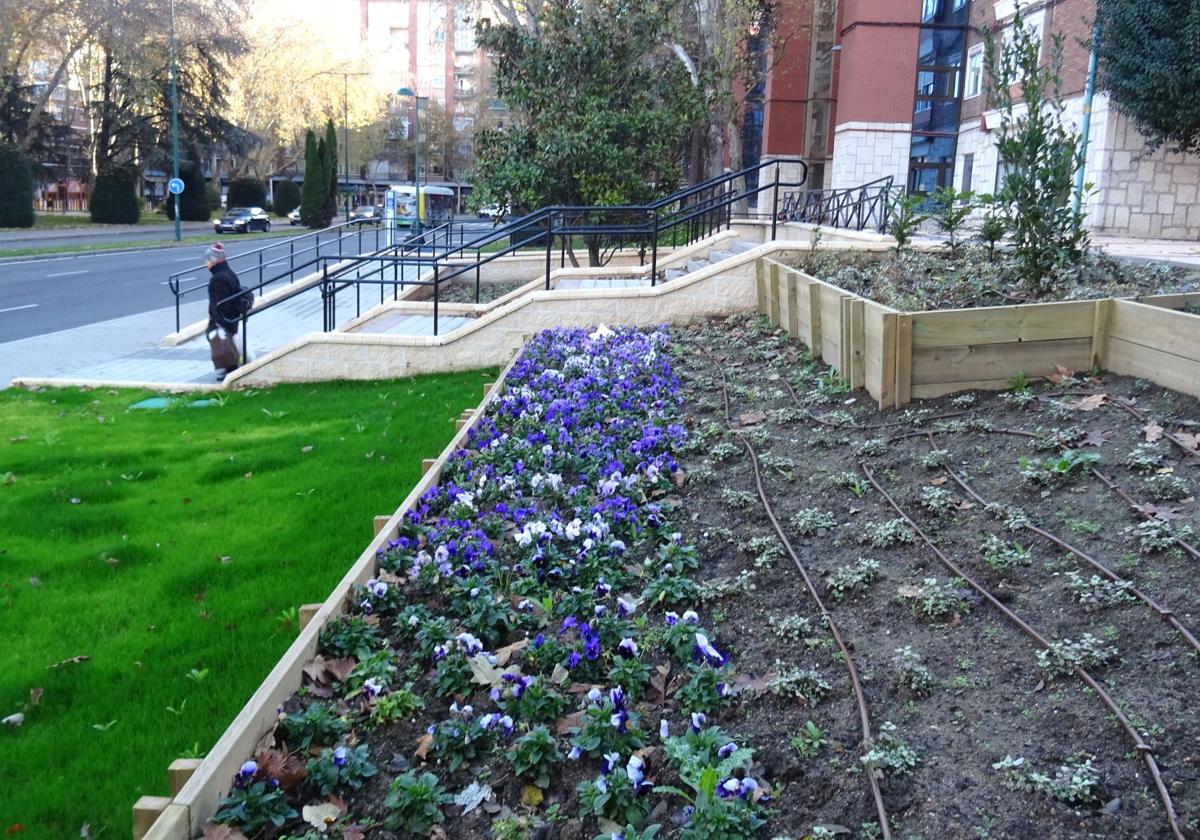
column 539, row 583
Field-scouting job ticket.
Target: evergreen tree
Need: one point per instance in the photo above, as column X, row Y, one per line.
column 287, row 197
column 247, row 192
column 16, row 188
column 1149, row 66
column 113, row 200
column 312, row 192
column 195, row 204
column 331, row 161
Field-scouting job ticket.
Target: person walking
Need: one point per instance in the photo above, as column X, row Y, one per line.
column 223, row 312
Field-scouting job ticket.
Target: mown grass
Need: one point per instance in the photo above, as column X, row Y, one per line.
column 158, row 542
column 148, row 244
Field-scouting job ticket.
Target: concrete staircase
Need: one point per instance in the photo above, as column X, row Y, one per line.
column 692, row 265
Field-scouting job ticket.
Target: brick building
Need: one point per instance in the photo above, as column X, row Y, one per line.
column 867, row 89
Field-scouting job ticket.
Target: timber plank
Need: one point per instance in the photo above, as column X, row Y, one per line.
column 973, row 363
column 1003, row 324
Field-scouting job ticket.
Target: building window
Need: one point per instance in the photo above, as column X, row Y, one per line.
column 929, row 8
column 974, row 72
column 958, row 4
column 1034, row 23
column 968, row 172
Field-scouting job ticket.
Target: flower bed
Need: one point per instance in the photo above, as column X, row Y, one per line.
column 530, row 637
column 591, row 626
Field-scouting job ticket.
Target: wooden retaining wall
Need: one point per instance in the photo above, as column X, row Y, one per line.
column 183, row 815
column 901, row 356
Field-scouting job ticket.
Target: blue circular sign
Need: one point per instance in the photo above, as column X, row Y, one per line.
column 175, row 186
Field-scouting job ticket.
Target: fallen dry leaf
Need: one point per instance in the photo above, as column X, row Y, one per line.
column 532, row 796
column 1063, row 373
column 1091, row 403
column 938, row 482
column 354, row 831
column 910, row 591
column 568, row 722
column 1096, row 439
column 306, row 448
column 1162, row 513
column 1153, row 432
column 658, row 682
column 752, row 418
column 423, row 745
column 744, row 682
column 212, row 831
column 288, row 770
column 74, row 660
column 505, row 653
column 1189, row 441
column 35, row 695
column 14, row 720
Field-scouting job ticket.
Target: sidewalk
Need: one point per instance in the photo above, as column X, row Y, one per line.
column 1175, row 251
column 129, row 351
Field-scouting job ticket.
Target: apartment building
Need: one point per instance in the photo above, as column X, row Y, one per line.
column 869, row 89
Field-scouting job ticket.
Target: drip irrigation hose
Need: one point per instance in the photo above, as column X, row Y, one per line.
column 1163, row 613
column 1140, row 745
column 1140, row 510
column 819, row 419
column 859, row 696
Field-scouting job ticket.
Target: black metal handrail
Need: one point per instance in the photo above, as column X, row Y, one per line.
column 856, row 208
column 685, row 217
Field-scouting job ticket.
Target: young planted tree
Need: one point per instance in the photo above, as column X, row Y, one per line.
column 331, row 170
column 16, row 188
column 951, row 209
column 1039, row 155
column 1149, row 67
column 598, row 109
column 314, row 190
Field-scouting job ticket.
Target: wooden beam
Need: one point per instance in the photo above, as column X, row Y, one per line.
column 1101, row 321
column 426, row 464
column 858, row 340
column 793, row 301
column 381, row 522
column 179, row 771
column 145, row 811
column 903, row 359
column 814, row 319
column 307, row 611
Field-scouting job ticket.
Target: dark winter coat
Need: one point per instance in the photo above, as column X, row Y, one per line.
column 222, row 285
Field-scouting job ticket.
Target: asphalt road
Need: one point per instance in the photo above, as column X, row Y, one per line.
column 49, row 295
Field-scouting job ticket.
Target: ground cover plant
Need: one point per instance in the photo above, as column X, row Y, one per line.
column 574, row 605
column 151, row 564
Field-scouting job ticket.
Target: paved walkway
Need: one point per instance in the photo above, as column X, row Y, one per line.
column 1167, row 250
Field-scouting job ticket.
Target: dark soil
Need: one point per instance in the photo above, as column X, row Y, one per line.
column 990, row 698
column 488, row 292
column 917, row 281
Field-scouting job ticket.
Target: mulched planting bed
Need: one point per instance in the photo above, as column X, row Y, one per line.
column 917, row 281
column 610, row 525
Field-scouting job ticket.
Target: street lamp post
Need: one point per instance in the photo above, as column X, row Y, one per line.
column 174, row 119
column 407, row 91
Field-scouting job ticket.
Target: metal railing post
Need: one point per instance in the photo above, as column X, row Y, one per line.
column 775, row 204
column 436, row 290
column 654, row 252
column 245, row 339
column 549, row 241
column 260, row 268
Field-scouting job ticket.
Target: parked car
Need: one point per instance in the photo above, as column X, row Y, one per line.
column 243, row 220
column 366, row 214
column 493, row 211
column 294, row 217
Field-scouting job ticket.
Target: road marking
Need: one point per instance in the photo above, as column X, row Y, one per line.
column 67, row 273
column 19, row 308
column 186, row 259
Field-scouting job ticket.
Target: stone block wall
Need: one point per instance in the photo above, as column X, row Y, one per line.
column 864, row 152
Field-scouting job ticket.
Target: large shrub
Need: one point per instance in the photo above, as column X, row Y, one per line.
column 247, row 192
column 195, row 204
column 113, row 200
column 287, row 197
column 16, row 188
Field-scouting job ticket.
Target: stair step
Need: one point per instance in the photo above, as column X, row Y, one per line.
column 675, row 273
column 697, row 265
column 715, row 257
column 741, row 246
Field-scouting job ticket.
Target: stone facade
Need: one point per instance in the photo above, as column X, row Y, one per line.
column 1135, row 193
column 864, row 152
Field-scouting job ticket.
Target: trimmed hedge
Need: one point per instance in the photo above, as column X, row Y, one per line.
column 195, row 202
column 16, row 188
column 287, row 197
column 246, row 192
column 113, row 200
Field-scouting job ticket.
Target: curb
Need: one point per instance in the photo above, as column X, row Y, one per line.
column 106, row 252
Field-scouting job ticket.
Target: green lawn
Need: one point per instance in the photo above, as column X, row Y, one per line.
column 168, row 546
column 155, row 243
column 67, row 221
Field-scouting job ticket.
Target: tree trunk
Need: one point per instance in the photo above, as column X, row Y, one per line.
column 593, row 246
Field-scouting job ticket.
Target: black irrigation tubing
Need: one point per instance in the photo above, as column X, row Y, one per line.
column 860, row 698
column 856, row 428
column 1140, row 510
column 1140, row 745
column 1163, row 613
